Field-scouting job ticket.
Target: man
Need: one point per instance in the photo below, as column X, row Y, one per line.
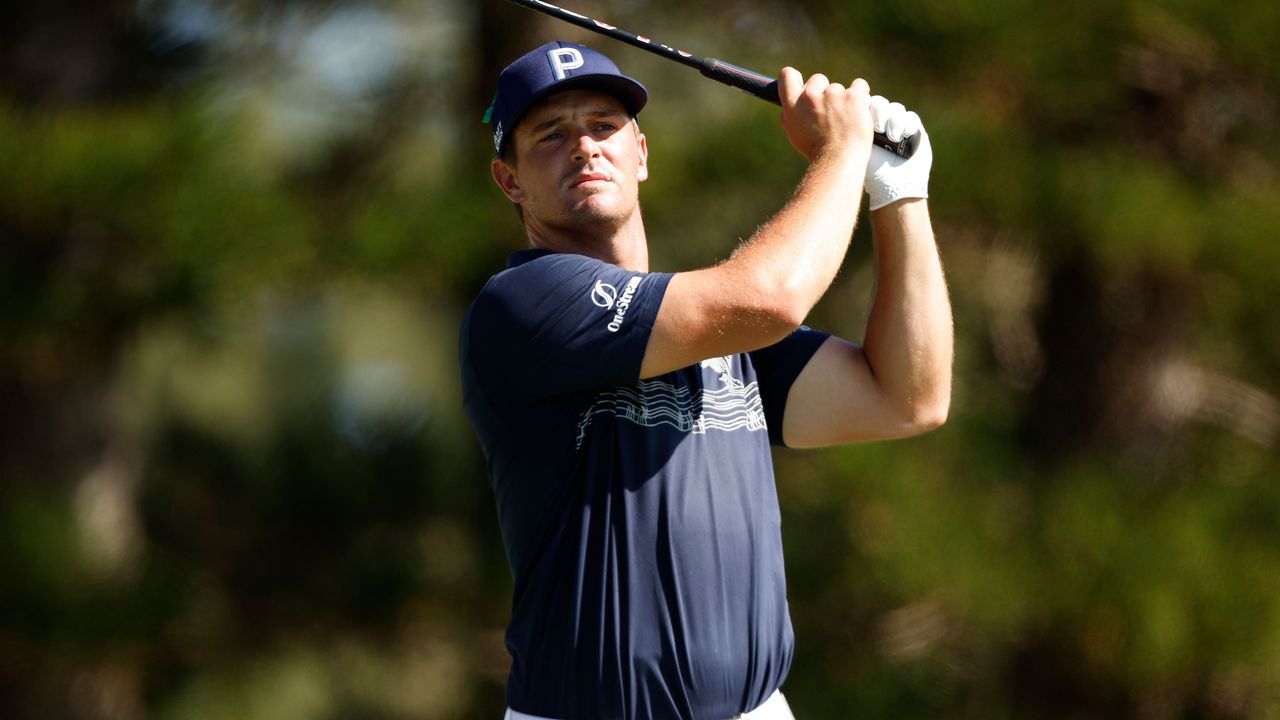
column 626, row 415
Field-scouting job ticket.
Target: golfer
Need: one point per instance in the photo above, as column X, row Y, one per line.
column 626, row 415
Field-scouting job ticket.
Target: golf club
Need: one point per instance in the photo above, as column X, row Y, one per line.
column 762, row 86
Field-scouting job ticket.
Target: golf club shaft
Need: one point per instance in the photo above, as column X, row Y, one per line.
column 762, row 86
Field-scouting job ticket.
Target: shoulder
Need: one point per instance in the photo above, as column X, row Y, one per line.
column 544, row 266
column 540, row 283
column 536, row 277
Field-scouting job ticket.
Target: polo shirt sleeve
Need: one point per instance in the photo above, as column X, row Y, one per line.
column 777, row 368
column 564, row 323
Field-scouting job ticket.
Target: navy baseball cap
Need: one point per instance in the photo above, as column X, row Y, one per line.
column 551, row 68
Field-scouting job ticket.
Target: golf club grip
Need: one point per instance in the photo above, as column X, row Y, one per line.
column 766, row 88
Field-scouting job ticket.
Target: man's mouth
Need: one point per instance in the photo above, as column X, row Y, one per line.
column 584, row 178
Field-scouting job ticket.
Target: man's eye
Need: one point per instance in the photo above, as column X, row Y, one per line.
column 551, row 136
column 606, row 126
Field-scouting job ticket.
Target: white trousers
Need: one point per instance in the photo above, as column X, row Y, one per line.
column 775, row 708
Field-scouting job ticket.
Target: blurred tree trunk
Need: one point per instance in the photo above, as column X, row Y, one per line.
column 66, row 316
column 70, row 51
column 1105, row 335
column 53, row 375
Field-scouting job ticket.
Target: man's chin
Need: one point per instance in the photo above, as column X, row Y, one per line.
column 595, row 210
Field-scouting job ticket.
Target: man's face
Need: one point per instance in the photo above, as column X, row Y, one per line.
column 578, row 162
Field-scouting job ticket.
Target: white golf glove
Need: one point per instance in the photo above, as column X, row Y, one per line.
column 890, row 177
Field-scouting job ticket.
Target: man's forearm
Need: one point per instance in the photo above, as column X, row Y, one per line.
column 909, row 339
column 767, row 287
column 800, row 250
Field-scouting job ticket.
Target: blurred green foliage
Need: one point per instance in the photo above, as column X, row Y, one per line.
column 236, row 480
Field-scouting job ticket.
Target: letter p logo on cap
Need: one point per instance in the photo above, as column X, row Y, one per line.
column 564, row 59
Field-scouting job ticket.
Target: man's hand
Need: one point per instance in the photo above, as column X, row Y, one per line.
column 821, row 117
column 890, row 177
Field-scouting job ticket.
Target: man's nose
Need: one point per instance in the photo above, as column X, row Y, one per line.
column 585, row 147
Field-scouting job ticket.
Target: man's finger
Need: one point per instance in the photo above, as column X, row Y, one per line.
column 912, row 125
column 817, row 84
column 879, row 112
column 790, row 85
column 896, row 122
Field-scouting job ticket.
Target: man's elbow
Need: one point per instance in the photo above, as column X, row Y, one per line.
column 929, row 415
column 783, row 304
column 932, row 418
column 789, row 318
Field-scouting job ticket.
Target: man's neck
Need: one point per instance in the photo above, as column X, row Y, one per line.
column 625, row 245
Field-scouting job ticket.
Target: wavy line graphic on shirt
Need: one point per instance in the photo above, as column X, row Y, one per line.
column 653, row 403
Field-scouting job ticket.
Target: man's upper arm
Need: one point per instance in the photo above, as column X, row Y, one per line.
column 836, row 400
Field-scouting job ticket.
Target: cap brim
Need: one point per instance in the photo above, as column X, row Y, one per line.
column 630, row 93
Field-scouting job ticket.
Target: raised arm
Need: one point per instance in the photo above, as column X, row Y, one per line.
column 898, row 383
column 768, row 286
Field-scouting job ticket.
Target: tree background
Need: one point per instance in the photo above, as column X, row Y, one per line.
column 238, row 239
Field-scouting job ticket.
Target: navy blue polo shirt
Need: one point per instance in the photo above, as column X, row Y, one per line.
column 640, row 517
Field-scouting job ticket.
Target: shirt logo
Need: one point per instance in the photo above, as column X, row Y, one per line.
column 620, row 313
column 604, row 295
column 723, row 367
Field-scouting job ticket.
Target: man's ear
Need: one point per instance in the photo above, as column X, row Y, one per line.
column 505, row 176
column 642, row 172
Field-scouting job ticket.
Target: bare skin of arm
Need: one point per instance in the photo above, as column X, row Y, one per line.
column 899, row 382
column 765, row 290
